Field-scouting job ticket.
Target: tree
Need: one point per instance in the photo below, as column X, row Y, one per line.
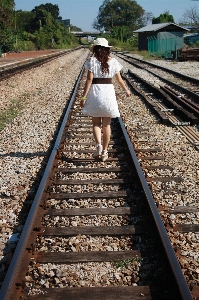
column 146, row 19
column 121, row 33
column 24, row 20
column 40, row 18
column 38, row 29
column 74, row 28
column 6, row 13
column 118, row 13
column 191, row 17
column 53, row 9
column 42, row 15
column 7, row 26
column 163, row 18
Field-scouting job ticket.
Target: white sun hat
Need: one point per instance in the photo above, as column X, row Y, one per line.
column 101, row 42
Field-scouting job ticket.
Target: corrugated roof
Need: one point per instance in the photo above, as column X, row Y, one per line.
column 155, row 27
column 190, row 34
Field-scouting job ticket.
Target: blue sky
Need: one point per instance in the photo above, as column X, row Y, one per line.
column 82, row 12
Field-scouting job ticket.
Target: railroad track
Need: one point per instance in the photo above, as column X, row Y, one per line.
column 170, row 112
column 94, row 231
column 11, row 69
column 172, row 107
column 187, row 84
column 182, row 89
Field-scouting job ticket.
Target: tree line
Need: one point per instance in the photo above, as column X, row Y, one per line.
column 42, row 28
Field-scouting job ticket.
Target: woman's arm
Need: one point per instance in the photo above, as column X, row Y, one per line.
column 122, row 84
column 87, row 87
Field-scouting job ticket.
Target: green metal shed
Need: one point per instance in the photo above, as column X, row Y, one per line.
column 162, row 39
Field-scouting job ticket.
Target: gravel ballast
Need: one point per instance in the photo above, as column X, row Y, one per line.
column 27, row 141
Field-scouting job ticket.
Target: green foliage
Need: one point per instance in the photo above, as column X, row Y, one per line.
column 55, row 31
column 75, row 28
column 192, row 44
column 40, row 18
column 24, row 20
column 118, row 13
column 163, row 18
column 36, row 29
column 125, row 263
column 23, row 45
column 121, row 33
column 7, row 116
column 6, row 13
column 50, row 8
column 6, row 21
column 134, row 40
column 121, row 38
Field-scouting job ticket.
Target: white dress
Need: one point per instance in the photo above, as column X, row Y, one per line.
column 101, row 99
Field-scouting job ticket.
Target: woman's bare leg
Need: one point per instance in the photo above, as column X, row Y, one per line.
column 106, row 121
column 97, row 129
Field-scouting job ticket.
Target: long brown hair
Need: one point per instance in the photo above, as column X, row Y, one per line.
column 102, row 54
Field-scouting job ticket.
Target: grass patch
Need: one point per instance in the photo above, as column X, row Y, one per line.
column 14, row 110
column 145, row 55
column 125, row 263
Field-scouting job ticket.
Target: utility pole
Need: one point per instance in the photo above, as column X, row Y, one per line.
column 15, row 28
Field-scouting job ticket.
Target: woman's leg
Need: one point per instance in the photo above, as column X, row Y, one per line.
column 106, row 126
column 97, row 129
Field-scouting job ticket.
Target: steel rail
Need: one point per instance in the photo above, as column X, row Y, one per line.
column 186, row 77
column 21, row 247
column 25, row 65
column 10, row 65
column 12, row 272
column 189, row 92
column 180, row 279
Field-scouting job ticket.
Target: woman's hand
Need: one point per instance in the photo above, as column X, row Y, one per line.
column 128, row 93
column 82, row 100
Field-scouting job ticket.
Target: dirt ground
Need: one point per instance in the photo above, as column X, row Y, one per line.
column 13, row 57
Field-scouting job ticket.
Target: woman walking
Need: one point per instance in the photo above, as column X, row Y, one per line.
column 99, row 99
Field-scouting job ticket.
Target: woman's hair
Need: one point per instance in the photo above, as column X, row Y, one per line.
column 102, row 54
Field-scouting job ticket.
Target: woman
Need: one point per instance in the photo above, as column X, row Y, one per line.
column 99, row 99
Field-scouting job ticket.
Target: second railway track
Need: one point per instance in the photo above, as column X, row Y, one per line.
column 174, row 104
column 8, row 69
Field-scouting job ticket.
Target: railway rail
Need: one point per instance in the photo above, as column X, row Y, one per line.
column 185, row 84
column 172, row 106
column 81, row 199
column 9, row 69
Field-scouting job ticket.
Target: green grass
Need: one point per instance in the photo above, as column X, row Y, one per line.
column 13, row 111
column 145, row 55
column 125, row 263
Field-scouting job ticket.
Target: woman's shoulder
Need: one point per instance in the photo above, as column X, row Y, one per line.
column 89, row 60
column 112, row 59
column 92, row 59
